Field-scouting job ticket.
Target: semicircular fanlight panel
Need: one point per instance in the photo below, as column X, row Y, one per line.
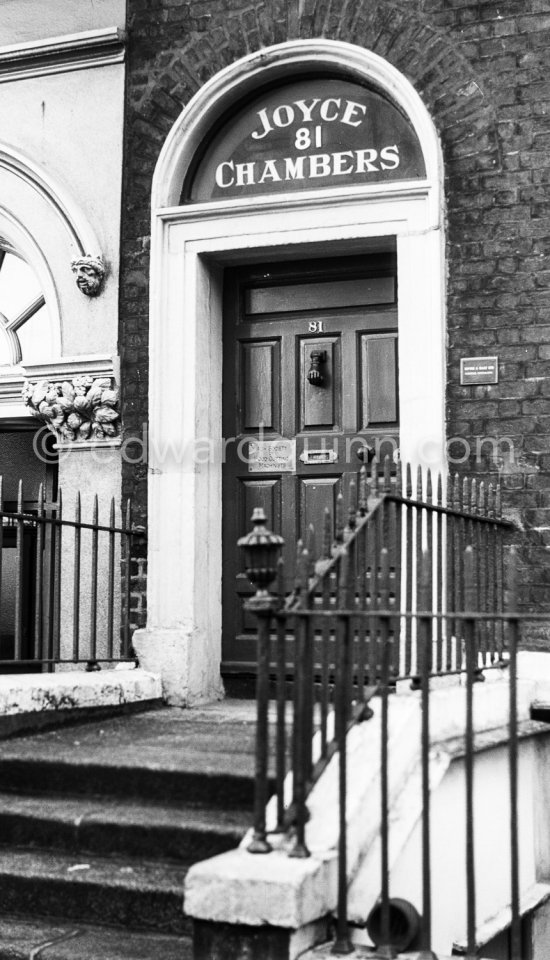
column 310, row 134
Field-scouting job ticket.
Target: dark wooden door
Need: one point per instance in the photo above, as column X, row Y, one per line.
column 310, row 376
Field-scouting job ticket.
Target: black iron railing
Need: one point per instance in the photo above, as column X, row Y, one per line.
column 407, row 587
column 65, row 583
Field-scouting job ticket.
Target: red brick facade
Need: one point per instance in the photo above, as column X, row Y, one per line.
column 481, row 69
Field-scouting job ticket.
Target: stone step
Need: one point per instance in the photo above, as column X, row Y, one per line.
column 230, row 791
column 21, row 939
column 80, row 825
column 160, row 756
column 114, row 891
column 100, row 821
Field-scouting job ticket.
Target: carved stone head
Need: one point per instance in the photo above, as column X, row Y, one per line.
column 90, row 273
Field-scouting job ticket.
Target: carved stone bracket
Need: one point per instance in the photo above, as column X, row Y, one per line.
column 90, row 274
column 82, row 409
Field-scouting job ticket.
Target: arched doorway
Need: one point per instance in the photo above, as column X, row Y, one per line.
column 220, row 214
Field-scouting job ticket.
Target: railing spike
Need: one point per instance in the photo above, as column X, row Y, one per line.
column 299, row 548
column 482, row 500
column 419, row 483
column 439, row 490
column 491, row 501
column 457, row 502
column 473, row 496
column 384, row 582
column 303, row 571
column 327, row 534
column 352, row 508
column 429, row 491
column 424, row 585
column 374, row 477
column 280, row 581
column 343, row 562
column 470, row 598
column 311, row 549
column 363, row 491
column 20, row 497
column 498, row 502
column 339, row 532
column 409, row 486
column 513, row 580
column 465, row 494
column 298, row 570
column 399, row 477
column 387, row 474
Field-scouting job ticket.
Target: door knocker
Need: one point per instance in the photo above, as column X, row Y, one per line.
column 315, row 375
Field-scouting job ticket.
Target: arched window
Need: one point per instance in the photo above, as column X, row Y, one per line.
column 24, row 328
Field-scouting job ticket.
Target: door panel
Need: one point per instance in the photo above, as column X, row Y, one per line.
column 259, row 376
column 320, row 296
column 315, row 495
column 320, row 404
column 310, row 375
column 378, row 380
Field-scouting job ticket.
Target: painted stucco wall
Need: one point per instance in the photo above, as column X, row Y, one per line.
column 22, row 21
column 61, row 156
column 491, row 840
column 70, row 124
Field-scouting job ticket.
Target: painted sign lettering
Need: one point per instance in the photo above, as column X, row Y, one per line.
column 306, row 135
column 229, row 174
column 327, row 110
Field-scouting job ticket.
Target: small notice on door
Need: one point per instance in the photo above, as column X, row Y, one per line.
column 272, row 456
column 475, row 370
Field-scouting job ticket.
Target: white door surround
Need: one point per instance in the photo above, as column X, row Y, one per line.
column 189, row 247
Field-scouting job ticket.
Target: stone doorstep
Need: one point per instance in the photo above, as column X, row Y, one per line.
column 30, row 701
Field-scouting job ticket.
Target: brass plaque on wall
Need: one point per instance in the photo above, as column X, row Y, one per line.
column 478, row 370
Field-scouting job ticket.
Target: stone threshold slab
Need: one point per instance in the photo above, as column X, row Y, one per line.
column 34, row 701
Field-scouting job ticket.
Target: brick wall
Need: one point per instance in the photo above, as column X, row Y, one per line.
column 481, row 67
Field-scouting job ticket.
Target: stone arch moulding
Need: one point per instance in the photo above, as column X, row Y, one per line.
column 190, row 245
column 46, row 226
column 57, row 197
column 41, row 222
